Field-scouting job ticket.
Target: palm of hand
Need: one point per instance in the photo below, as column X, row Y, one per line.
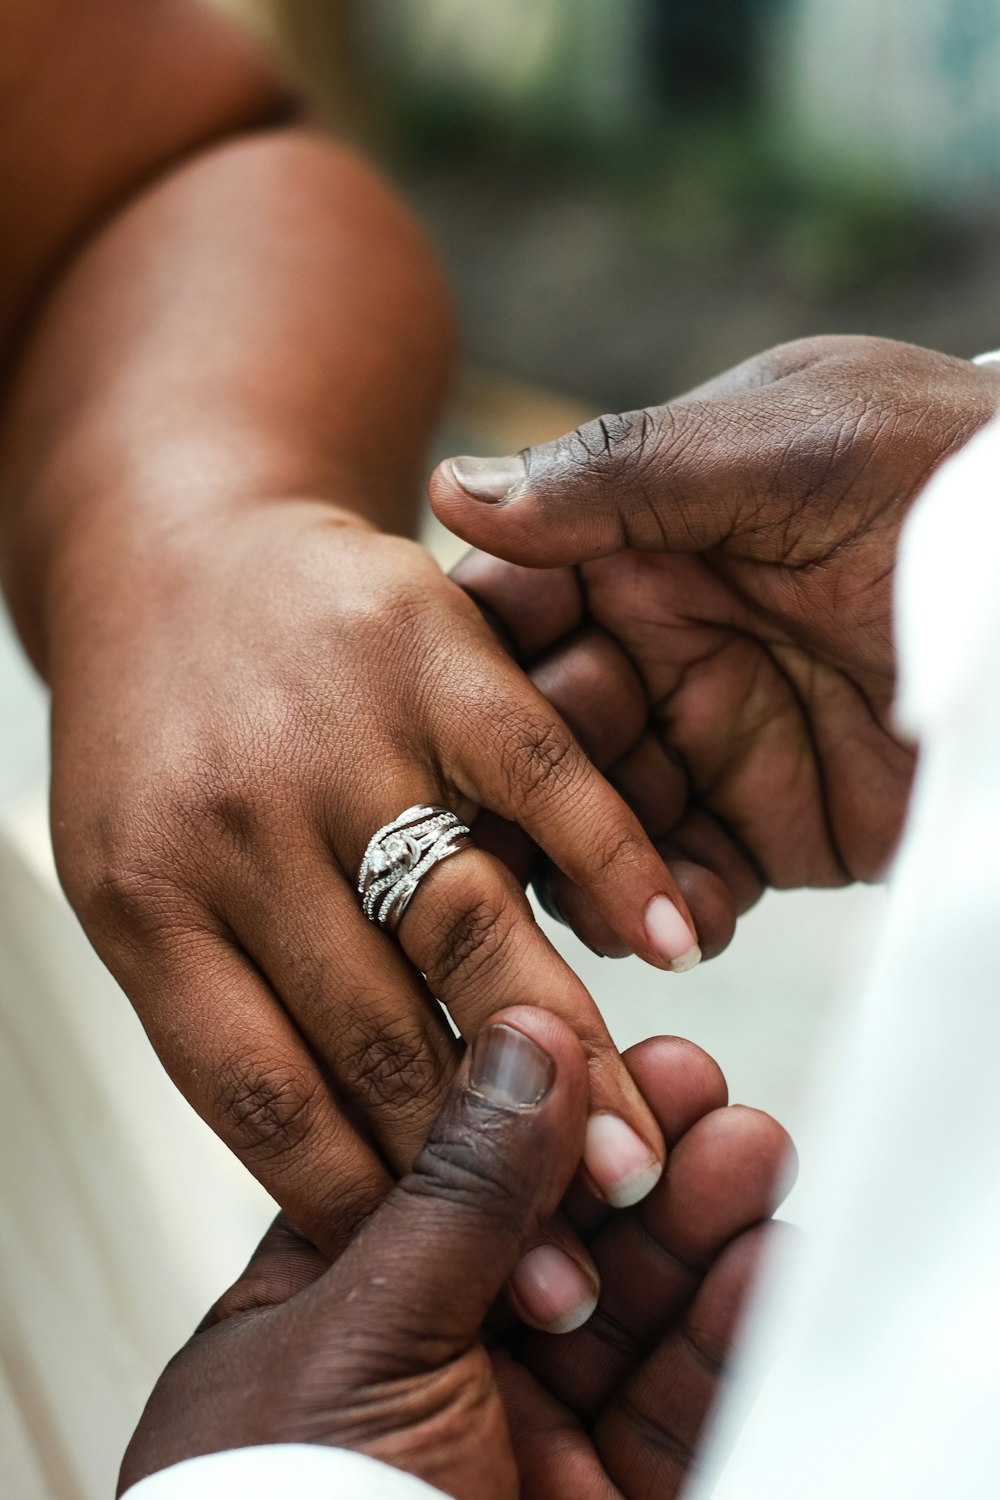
column 784, row 731
column 765, row 510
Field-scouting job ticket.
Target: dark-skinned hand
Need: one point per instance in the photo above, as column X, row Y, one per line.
column 383, row 1352
column 714, row 617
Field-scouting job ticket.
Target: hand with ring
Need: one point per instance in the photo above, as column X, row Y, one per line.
column 250, row 681
column 719, row 571
column 215, row 856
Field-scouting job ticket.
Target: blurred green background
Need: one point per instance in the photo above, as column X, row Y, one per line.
column 633, row 194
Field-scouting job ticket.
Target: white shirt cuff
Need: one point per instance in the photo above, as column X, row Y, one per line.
column 280, row 1471
column 993, row 358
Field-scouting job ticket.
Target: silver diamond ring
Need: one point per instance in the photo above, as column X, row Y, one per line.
column 399, row 856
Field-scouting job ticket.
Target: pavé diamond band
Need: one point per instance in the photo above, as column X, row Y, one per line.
column 399, row 856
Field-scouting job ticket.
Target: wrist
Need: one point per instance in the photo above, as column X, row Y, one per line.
column 132, row 572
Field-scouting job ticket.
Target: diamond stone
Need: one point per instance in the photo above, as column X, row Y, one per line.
column 394, row 854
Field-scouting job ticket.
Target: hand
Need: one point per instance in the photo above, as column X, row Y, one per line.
column 735, row 555
column 256, row 703
column 624, row 1400
column 382, row 1353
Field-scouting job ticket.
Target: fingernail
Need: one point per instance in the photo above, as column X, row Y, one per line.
column 671, row 936
column 545, row 890
column 509, row 1070
column 553, row 1289
column 489, row 478
column 621, row 1164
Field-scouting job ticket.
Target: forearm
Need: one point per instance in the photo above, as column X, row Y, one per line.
column 98, row 97
column 264, row 321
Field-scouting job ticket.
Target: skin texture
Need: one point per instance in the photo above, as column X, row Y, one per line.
column 720, row 569
column 384, row 1352
column 228, row 345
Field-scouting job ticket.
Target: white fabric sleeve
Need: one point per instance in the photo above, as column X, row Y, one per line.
column 284, row 1471
column 875, row 1350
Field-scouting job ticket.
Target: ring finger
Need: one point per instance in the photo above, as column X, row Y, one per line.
column 383, row 1040
column 470, row 930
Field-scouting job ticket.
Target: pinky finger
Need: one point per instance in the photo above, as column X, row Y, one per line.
column 231, row 1048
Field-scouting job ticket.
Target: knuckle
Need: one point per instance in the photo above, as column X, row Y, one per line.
column 538, row 758
column 224, row 807
column 467, row 939
column 123, row 893
column 616, row 852
column 628, row 455
column 268, row 1285
column 466, row 1171
column 796, row 355
column 132, row 872
column 392, row 1065
column 267, row 1111
column 615, row 438
column 408, row 589
column 283, row 1264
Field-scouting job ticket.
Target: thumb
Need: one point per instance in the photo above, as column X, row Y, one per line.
column 417, row 1282
column 672, row 478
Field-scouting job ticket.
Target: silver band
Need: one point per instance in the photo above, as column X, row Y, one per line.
column 399, row 856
